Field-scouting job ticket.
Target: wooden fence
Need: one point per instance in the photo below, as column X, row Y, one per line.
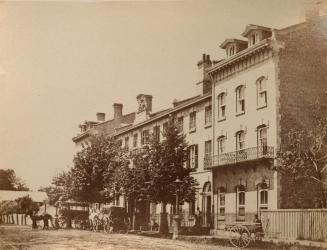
column 18, row 219
column 301, row 224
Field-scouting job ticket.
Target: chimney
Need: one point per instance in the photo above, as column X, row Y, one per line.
column 101, row 117
column 144, row 102
column 314, row 9
column 204, row 81
column 118, row 111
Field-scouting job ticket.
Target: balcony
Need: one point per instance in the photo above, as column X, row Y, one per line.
column 248, row 154
column 135, row 151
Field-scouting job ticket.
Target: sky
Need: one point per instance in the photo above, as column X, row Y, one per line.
column 62, row 62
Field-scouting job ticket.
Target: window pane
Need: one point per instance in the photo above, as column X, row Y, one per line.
column 264, row 197
column 222, row 200
column 241, row 198
column 241, row 211
column 222, row 211
column 135, row 140
column 192, row 120
column 207, row 115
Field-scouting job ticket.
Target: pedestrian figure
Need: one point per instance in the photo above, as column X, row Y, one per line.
column 198, row 217
column 33, row 218
column 45, row 221
column 56, row 222
column 258, row 230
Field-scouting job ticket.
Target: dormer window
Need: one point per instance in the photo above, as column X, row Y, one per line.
column 254, row 38
column 231, row 51
column 233, row 46
column 256, row 33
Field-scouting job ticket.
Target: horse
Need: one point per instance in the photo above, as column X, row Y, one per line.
column 95, row 219
column 44, row 217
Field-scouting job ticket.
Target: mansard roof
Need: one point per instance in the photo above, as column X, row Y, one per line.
column 251, row 27
column 232, row 40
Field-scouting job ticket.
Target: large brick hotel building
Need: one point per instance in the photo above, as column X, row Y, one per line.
column 235, row 124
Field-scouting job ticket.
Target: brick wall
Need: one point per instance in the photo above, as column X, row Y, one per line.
column 301, row 76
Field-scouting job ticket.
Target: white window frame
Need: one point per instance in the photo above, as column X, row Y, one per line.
column 262, row 96
column 156, row 132
column 240, row 140
column 231, row 50
column 144, row 137
column 180, row 123
column 222, row 106
column 221, row 144
column 240, row 99
column 192, row 122
column 220, row 205
column 127, row 142
column 135, row 138
column 193, row 156
column 265, row 204
column 240, row 205
column 207, row 115
column 207, row 149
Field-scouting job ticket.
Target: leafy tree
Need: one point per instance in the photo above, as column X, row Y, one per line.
column 91, row 177
column 64, row 185
column 9, row 181
column 8, row 207
column 165, row 164
column 25, row 205
column 302, row 162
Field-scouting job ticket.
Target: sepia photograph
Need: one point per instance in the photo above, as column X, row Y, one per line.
column 163, row 125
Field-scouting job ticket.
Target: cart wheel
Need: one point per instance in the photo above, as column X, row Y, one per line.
column 239, row 236
column 62, row 222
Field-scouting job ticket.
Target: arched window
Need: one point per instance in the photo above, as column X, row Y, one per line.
column 240, row 140
column 240, row 201
column 221, row 202
column 262, row 188
column 240, row 101
column 261, row 92
column 222, row 106
column 221, row 140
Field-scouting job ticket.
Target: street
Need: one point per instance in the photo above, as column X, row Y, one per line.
column 21, row 237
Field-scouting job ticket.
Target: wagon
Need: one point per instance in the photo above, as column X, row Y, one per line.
column 118, row 219
column 72, row 213
column 241, row 234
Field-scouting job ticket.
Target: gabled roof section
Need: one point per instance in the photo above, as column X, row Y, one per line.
column 159, row 112
column 8, row 195
column 178, row 103
column 165, row 113
column 232, row 40
column 251, row 27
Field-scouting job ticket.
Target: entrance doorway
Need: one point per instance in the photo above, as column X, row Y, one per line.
column 206, row 204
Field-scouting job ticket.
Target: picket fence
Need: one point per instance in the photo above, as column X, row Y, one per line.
column 301, row 224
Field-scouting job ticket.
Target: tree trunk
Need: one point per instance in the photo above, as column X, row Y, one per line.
column 322, row 188
column 163, row 228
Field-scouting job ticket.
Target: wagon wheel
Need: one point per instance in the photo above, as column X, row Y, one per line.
column 78, row 221
column 239, row 236
column 62, row 222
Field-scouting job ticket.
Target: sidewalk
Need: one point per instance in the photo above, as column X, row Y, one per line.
column 221, row 237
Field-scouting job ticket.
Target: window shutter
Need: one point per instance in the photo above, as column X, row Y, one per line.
column 188, row 162
column 196, row 155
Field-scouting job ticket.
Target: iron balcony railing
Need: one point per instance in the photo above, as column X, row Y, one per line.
column 239, row 156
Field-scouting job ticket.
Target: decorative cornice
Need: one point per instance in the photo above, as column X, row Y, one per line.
column 170, row 111
column 241, row 61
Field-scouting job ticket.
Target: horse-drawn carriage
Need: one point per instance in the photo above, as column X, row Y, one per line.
column 111, row 219
column 72, row 214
